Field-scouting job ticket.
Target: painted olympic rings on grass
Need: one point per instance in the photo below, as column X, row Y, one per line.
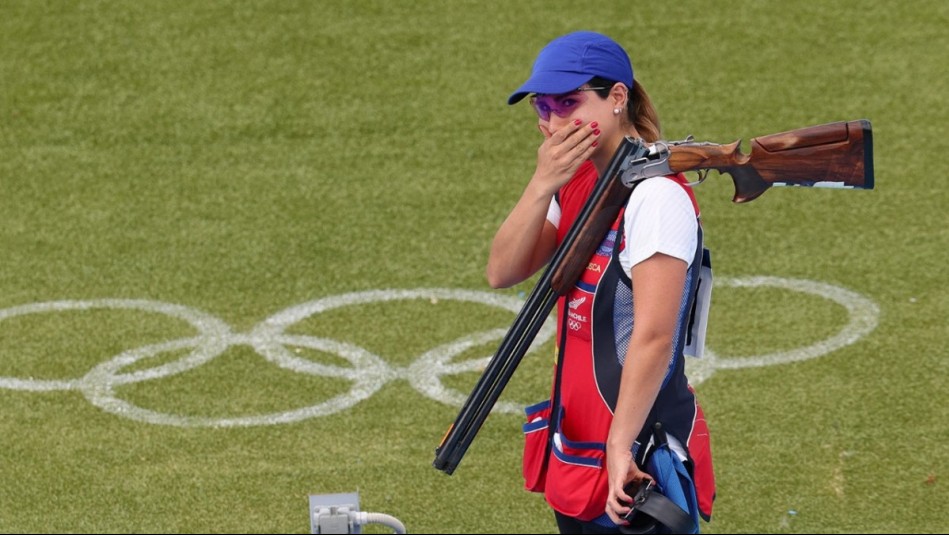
column 369, row 372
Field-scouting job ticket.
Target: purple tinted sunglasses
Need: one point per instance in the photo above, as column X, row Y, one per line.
column 560, row 105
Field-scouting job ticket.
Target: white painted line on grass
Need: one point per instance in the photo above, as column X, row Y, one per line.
column 368, row 372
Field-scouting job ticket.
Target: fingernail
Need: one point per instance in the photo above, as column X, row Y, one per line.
column 594, row 124
column 596, row 132
column 577, row 122
column 593, row 144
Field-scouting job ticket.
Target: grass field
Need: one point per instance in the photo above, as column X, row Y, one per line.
column 209, row 210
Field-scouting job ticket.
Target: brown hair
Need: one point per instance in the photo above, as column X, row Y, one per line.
column 639, row 108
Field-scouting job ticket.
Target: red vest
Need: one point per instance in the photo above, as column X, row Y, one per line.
column 595, row 322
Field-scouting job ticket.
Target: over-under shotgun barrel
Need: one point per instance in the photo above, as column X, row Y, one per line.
column 537, row 307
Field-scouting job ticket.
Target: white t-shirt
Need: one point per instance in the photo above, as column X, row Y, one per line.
column 659, row 218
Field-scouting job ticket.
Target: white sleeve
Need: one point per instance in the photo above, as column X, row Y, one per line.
column 659, row 218
column 553, row 212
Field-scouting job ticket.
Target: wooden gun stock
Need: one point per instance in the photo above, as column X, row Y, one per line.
column 832, row 155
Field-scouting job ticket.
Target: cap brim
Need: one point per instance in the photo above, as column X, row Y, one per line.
column 551, row 82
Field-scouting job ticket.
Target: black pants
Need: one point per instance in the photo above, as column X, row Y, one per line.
column 568, row 524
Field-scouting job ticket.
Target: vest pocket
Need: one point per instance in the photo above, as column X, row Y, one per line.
column 578, row 478
column 536, row 454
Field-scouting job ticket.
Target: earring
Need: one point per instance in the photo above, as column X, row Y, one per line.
column 616, row 111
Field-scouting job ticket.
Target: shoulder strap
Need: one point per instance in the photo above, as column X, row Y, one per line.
column 554, row 421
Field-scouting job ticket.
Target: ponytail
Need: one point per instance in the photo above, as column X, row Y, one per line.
column 643, row 114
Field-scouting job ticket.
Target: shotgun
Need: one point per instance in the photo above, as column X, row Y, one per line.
column 834, row 155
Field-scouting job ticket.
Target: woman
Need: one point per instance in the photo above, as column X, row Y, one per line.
column 605, row 407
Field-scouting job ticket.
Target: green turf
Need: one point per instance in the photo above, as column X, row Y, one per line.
column 242, row 158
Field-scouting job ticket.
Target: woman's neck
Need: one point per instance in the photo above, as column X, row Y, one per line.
column 601, row 160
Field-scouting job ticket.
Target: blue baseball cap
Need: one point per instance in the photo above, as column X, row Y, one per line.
column 572, row 60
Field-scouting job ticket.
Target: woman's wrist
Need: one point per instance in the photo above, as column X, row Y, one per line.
column 542, row 187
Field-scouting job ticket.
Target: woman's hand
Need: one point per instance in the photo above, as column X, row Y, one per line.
column 562, row 152
column 621, row 470
column 544, row 127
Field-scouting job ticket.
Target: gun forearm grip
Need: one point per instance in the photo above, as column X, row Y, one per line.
column 590, row 236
